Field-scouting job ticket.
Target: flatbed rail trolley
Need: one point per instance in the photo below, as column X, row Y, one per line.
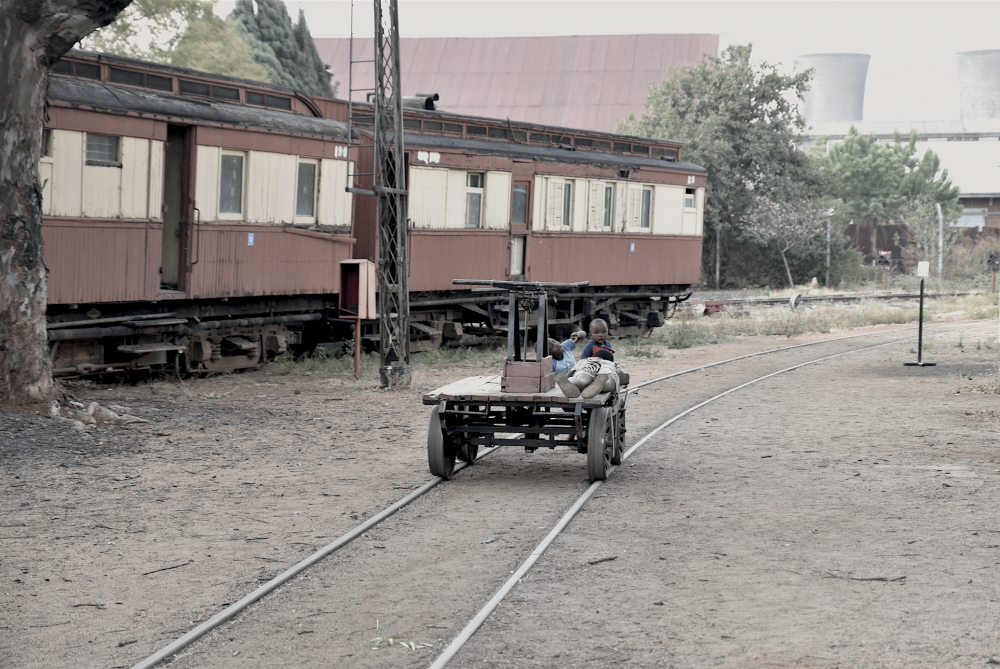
column 477, row 411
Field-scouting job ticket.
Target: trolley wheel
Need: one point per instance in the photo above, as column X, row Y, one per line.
column 468, row 453
column 440, row 457
column 600, row 444
column 616, row 457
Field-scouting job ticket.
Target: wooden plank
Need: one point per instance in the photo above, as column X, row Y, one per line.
column 487, row 389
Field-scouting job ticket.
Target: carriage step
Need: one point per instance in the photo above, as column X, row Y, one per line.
column 159, row 321
column 142, row 349
column 426, row 329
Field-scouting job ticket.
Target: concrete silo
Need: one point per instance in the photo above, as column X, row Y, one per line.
column 837, row 90
column 979, row 84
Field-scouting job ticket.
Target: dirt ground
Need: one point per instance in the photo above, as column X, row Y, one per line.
column 735, row 539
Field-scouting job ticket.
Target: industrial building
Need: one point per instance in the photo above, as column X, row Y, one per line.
column 589, row 82
column 969, row 148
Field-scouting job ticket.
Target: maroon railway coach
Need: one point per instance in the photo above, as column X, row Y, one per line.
column 199, row 222
column 190, row 220
column 495, row 199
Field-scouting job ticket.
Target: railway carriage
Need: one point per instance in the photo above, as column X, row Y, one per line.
column 189, row 221
column 494, row 199
column 199, row 222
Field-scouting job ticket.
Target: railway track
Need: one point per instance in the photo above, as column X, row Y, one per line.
column 525, row 565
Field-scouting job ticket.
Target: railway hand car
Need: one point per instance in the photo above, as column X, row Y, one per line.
column 195, row 222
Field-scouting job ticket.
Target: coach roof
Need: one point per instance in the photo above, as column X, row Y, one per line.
column 544, row 153
column 123, row 100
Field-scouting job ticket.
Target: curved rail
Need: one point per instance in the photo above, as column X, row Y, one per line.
column 237, row 607
column 484, row 613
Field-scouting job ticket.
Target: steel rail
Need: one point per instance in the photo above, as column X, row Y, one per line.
column 473, row 626
column 237, row 607
column 255, row 596
column 788, row 348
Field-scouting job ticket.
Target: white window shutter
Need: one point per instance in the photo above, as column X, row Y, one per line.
column 621, row 206
column 580, row 193
column 456, row 199
column 497, row 198
column 537, row 204
column 595, row 208
column 428, row 201
column 554, row 215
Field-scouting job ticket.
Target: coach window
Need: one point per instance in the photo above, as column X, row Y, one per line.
column 305, row 190
column 473, row 199
column 689, row 198
column 231, row 185
column 609, row 209
column 102, row 150
column 647, row 206
column 567, row 204
column 519, row 211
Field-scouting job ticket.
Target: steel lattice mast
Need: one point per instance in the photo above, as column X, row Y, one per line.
column 389, row 184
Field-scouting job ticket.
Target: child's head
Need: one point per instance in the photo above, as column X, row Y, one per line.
column 555, row 349
column 598, row 331
column 604, row 354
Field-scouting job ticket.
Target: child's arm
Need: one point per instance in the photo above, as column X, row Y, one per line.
column 588, row 350
column 569, row 345
column 564, row 366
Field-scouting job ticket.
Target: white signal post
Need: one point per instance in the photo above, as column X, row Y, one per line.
column 923, row 270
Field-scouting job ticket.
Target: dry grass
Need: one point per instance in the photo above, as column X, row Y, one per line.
column 684, row 331
column 340, row 363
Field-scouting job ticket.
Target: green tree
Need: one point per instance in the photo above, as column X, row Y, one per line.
column 740, row 120
column 185, row 33
column 147, row 29
column 310, row 62
column 215, row 45
column 925, row 234
column 788, row 226
column 883, row 182
column 286, row 51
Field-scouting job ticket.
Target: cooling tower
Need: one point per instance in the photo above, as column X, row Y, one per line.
column 837, row 90
column 979, row 84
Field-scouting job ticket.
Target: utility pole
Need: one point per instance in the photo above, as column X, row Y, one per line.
column 389, row 184
column 829, row 225
column 940, row 241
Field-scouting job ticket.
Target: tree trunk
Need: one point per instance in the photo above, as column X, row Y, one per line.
column 36, row 34
column 718, row 255
column 791, row 284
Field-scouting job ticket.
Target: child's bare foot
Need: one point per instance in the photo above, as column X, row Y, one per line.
column 596, row 387
column 566, row 386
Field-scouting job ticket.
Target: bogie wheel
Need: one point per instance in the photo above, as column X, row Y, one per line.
column 440, row 457
column 616, row 457
column 600, row 444
column 468, row 453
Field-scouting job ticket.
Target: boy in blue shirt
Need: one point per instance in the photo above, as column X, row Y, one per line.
column 598, row 339
column 562, row 354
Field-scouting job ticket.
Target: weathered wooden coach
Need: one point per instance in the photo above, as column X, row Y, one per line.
column 199, row 222
column 189, row 220
column 495, row 199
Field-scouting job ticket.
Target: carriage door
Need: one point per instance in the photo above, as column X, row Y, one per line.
column 520, row 206
column 176, row 199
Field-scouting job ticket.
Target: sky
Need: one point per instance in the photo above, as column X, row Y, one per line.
column 912, row 75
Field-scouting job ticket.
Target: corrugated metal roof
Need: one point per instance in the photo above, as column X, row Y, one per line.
column 589, row 82
column 546, row 153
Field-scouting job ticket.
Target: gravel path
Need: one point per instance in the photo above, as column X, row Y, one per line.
column 130, row 535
